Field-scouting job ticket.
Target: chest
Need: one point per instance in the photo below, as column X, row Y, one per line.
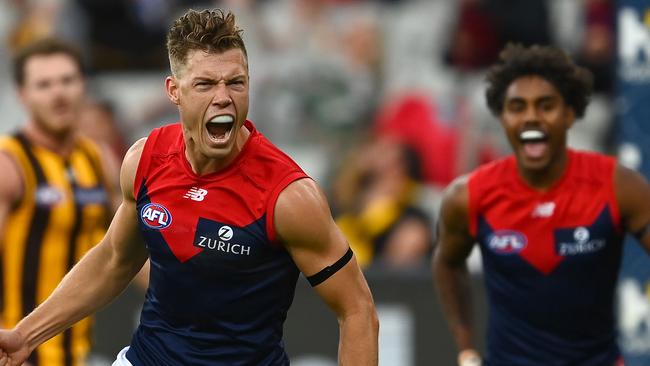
column 205, row 223
column 575, row 227
column 66, row 191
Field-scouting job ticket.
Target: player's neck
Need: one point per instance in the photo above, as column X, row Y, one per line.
column 202, row 165
column 544, row 179
column 60, row 144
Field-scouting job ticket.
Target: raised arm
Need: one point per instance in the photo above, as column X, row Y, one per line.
column 97, row 279
column 304, row 223
column 633, row 195
column 454, row 244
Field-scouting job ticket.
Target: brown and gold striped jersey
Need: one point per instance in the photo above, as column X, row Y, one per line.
column 64, row 210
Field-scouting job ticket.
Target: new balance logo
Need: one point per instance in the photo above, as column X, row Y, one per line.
column 544, row 209
column 196, row 194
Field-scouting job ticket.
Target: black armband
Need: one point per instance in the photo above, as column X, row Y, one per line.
column 328, row 271
column 639, row 234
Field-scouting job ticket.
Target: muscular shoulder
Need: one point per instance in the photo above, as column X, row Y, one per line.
column 455, row 199
column 625, row 178
column 454, row 210
column 302, row 215
column 454, row 239
column 130, row 167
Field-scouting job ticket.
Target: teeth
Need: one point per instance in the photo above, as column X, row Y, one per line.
column 222, row 119
column 532, row 135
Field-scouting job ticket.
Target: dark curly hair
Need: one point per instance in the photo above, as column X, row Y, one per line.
column 208, row 30
column 573, row 82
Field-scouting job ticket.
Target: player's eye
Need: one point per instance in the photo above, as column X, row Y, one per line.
column 68, row 80
column 515, row 106
column 202, row 85
column 43, row 84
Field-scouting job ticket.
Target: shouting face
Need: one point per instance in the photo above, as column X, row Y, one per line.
column 211, row 91
column 536, row 119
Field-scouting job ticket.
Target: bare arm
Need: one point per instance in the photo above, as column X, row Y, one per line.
column 11, row 190
column 304, row 223
column 454, row 244
column 633, row 195
column 98, row 278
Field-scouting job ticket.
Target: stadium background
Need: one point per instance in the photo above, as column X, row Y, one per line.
column 340, row 85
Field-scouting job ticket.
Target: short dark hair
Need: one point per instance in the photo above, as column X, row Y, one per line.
column 44, row 46
column 208, row 30
column 573, row 82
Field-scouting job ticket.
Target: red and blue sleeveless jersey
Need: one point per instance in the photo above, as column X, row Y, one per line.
column 551, row 261
column 220, row 284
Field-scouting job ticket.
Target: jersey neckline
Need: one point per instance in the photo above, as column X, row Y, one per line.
column 554, row 187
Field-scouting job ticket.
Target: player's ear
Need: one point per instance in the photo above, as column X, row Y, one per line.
column 171, row 86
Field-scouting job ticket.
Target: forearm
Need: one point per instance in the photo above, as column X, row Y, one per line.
column 96, row 280
column 453, row 285
column 358, row 343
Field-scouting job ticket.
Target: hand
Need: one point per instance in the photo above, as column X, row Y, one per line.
column 13, row 348
column 469, row 357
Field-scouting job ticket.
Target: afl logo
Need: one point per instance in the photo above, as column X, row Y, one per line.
column 155, row 216
column 507, row 242
column 225, row 233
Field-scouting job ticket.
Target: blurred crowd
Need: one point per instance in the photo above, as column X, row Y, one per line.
column 382, row 102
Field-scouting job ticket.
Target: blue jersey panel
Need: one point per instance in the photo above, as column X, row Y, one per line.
column 563, row 318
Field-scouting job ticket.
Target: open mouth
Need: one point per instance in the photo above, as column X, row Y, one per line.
column 220, row 127
column 534, row 142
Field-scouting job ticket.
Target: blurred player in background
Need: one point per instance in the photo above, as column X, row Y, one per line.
column 549, row 221
column 54, row 193
column 228, row 221
column 376, row 193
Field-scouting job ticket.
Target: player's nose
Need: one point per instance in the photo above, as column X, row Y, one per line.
column 221, row 97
